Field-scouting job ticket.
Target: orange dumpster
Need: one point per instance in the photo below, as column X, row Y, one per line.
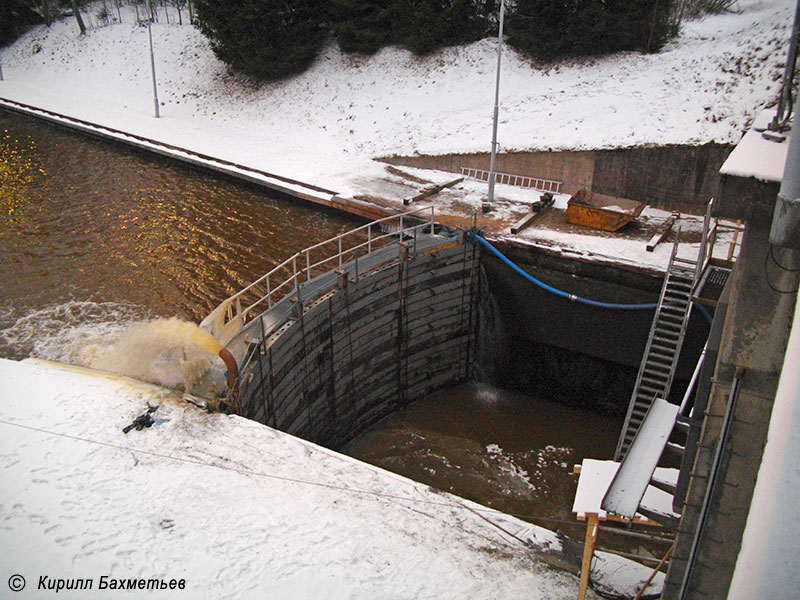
column 602, row 212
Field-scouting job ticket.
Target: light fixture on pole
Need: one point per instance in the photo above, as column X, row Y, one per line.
column 490, row 199
column 153, row 68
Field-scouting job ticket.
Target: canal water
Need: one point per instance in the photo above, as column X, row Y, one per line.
column 96, row 239
column 95, row 236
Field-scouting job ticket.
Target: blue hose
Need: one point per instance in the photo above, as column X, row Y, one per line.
column 573, row 297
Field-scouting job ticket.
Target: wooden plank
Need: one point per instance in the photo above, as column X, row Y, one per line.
column 633, row 477
column 523, row 222
column 435, row 189
column 588, row 551
column 661, row 234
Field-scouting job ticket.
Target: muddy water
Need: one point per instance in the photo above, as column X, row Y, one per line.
column 503, row 449
column 93, row 235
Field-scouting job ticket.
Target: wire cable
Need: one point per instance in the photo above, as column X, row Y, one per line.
column 769, row 255
column 777, row 264
column 308, row 482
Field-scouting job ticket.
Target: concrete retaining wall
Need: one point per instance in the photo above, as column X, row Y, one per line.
column 368, row 348
column 568, row 352
column 670, row 177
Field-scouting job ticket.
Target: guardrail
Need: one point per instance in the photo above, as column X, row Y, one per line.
column 711, row 229
column 536, row 183
column 227, row 319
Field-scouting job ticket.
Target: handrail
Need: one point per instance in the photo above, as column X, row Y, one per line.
column 232, row 309
column 709, row 239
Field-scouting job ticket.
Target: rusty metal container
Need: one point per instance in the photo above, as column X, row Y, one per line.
column 602, row 212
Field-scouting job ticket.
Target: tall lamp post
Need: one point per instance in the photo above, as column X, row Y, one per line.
column 496, row 109
column 153, row 69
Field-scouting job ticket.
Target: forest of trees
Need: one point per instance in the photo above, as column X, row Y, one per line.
column 16, row 16
column 271, row 39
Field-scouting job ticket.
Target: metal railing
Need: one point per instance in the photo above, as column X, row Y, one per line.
column 536, row 183
column 289, row 276
column 711, row 229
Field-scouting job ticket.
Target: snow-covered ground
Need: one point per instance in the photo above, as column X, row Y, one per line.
column 234, row 508
column 326, row 125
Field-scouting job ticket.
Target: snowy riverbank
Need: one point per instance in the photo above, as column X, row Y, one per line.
column 326, row 125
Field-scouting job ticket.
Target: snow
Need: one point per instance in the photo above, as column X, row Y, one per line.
column 235, row 508
column 596, row 477
column 326, row 125
column 757, row 157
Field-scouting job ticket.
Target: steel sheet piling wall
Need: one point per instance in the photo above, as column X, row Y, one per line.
column 368, row 348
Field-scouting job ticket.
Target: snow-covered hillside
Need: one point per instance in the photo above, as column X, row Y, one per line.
column 326, row 124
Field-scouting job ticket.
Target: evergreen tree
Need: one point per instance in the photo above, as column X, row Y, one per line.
column 422, row 26
column 552, row 29
column 361, row 26
column 268, row 39
column 425, row 25
column 16, row 16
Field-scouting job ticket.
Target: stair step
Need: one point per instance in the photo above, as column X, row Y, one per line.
column 680, row 281
column 679, row 302
column 666, row 336
column 666, row 486
column 656, row 368
column 675, row 448
column 666, row 351
column 669, row 318
column 670, row 324
column 649, row 391
column 660, row 373
column 671, row 309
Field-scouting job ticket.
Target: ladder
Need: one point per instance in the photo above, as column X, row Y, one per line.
column 663, row 349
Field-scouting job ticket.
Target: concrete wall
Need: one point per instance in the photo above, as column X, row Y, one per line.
column 367, row 349
column 669, row 177
column 571, row 352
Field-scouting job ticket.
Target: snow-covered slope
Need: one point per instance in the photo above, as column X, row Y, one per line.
column 233, row 508
column 325, row 125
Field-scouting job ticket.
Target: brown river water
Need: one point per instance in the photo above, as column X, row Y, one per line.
column 95, row 238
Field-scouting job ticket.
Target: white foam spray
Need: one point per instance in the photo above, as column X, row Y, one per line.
column 117, row 337
column 169, row 352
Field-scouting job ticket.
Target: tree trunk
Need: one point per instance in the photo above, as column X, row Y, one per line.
column 47, row 13
column 78, row 18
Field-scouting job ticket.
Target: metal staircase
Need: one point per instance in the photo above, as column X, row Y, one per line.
column 663, row 348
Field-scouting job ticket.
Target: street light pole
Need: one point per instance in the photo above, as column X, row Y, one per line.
column 496, row 109
column 153, row 68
